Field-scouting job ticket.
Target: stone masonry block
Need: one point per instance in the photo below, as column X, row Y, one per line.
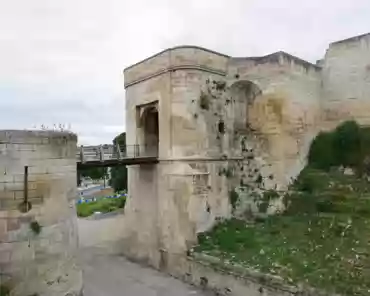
column 5, row 257
column 19, row 195
column 6, row 195
column 18, row 178
column 5, row 176
column 32, row 185
column 36, row 201
column 14, row 186
column 23, row 252
column 25, row 219
column 9, row 204
column 13, row 224
column 41, row 169
column 3, row 224
column 26, row 147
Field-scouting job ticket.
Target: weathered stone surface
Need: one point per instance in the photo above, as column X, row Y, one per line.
column 228, row 130
column 39, row 260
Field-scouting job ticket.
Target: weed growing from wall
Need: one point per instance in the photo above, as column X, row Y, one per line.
column 220, row 85
column 204, row 102
column 267, row 197
column 35, row 227
column 233, row 198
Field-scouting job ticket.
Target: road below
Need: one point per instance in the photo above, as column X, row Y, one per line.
column 110, row 275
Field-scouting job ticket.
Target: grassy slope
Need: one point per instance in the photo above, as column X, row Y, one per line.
column 322, row 240
column 103, row 205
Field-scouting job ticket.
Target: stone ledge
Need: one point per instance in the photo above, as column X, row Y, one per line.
column 174, row 68
column 225, row 278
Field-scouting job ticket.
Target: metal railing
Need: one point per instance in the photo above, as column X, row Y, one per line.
column 114, row 152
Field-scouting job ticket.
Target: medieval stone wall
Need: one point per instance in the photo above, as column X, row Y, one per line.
column 230, row 129
column 38, row 240
column 346, row 82
column 287, row 112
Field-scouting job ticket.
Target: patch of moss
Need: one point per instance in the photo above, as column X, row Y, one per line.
column 4, row 290
column 243, row 144
column 259, row 179
column 221, row 127
column 35, row 227
column 227, row 172
column 204, row 102
column 233, row 198
column 267, row 197
column 220, row 85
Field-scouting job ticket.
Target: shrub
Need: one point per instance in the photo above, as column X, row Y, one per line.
column 348, row 145
column 321, row 152
column 310, row 180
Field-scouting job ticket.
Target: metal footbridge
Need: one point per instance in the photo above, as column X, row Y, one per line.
column 114, row 155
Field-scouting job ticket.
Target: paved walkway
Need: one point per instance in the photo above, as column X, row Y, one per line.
column 110, row 275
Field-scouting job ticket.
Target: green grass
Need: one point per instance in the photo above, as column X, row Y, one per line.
column 322, row 240
column 103, row 205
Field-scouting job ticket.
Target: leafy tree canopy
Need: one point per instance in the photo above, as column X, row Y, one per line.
column 119, row 174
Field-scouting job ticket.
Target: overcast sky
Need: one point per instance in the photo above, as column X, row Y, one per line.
column 61, row 61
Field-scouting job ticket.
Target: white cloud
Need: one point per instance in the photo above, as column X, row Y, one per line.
column 62, row 61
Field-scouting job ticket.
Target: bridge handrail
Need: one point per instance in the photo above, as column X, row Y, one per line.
column 116, row 152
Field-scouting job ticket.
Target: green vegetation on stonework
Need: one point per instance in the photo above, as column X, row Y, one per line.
column 35, row 227
column 102, row 205
column 322, row 239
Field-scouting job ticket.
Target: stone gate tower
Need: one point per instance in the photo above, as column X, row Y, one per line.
column 198, row 109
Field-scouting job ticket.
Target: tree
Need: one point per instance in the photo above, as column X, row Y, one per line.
column 95, row 173
column 119, row 174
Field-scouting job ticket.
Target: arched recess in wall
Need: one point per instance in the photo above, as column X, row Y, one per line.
column 244, row 93
column 150, row 130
